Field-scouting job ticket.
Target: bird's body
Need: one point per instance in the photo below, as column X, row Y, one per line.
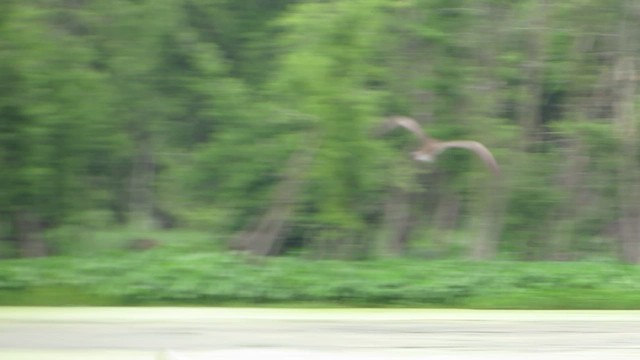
column 422, row 156
column 431, row 148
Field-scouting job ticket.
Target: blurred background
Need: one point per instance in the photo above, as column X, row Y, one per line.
column 213, row 125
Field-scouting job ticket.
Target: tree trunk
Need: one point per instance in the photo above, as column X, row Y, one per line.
column 626, row 127
column 565, row 219
column 266, row 235
column 141, row 191
column 490, row 221
column 397, row 224
column 492, row 194
column 27, row 234
column 628, row 176
column 531, row 90
column 445, row 218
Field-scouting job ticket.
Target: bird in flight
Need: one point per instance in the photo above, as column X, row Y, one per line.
column 431, row 147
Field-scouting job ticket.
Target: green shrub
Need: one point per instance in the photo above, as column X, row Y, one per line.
column 170, row 277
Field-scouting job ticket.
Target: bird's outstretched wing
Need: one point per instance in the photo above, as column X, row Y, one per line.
column 476, row 147
column 407, row 123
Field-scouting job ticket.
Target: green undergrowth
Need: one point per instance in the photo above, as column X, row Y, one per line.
column 217, row 279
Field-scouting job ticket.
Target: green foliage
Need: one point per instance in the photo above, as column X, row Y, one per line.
column 164, row 277
column 324, row 73
column 531, row 205
column 53, row 105
column 80, row 240
column 185, row 113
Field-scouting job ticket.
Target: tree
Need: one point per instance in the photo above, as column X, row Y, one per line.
column 50, row 109
column 324, row 74
column 626, row 128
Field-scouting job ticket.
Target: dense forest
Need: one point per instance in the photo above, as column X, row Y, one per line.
column 256, row 120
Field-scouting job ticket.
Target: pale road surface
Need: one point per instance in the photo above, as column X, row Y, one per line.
column 239, row 333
